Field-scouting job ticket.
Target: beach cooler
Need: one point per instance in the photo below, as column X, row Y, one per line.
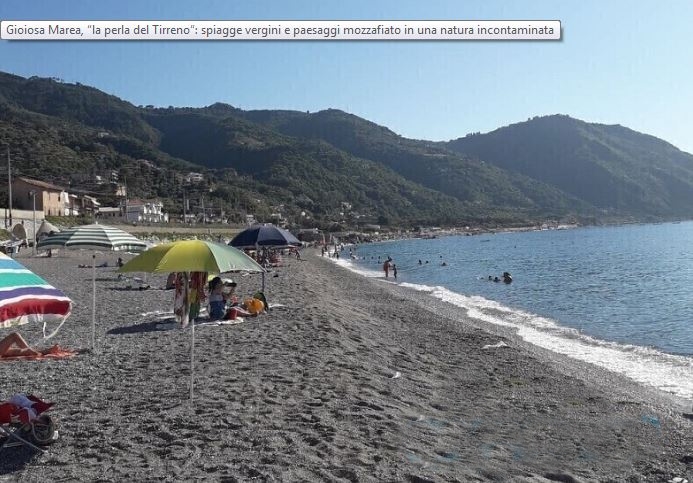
column 23, row 421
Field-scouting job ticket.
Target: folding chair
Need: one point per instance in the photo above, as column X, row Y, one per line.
column 23, row 421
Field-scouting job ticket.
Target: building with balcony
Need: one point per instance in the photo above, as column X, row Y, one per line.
column 145, row 211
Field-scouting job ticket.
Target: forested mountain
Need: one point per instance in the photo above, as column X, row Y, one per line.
column 423, row 162
column 333, row 169
column 611, row 167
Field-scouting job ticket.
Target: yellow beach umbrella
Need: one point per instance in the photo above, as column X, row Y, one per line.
column 192, row 256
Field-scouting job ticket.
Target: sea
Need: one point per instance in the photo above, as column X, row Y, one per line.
column 620, row 297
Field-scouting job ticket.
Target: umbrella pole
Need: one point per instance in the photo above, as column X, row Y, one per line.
column 192, row 335
column 192, row 360
column 93, row 302
column 263, row 282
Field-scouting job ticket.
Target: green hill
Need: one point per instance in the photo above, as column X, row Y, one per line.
column 334, row 169
column 471, row 181
column 616, row 169
column 62, row 133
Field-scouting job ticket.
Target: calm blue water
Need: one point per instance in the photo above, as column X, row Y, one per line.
column 623, row 295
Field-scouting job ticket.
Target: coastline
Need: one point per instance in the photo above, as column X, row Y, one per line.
column 354, row 379
column 440, row 300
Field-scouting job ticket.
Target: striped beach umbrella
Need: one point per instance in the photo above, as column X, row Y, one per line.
column 25, row 297
column 93, row 237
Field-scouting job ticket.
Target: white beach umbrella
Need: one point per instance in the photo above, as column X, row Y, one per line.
column 93, row 237
column 46, row 229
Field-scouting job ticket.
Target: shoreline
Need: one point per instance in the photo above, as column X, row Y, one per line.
column 352, row 380
column 643, row 365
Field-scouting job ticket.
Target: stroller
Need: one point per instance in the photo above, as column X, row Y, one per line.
column 23, row 421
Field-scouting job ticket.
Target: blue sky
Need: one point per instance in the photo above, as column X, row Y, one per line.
column 620, row 62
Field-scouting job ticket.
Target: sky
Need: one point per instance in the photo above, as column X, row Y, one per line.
column 620, row 62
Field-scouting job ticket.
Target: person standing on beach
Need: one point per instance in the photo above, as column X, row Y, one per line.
column 386, row 268
column 394, row 271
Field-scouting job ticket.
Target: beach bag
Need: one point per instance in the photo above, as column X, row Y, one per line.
column 261, row 296
column 254, row 306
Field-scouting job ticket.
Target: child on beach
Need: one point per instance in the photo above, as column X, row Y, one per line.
column 217, row 299
column 394, row 271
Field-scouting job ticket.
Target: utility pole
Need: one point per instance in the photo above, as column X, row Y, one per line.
column 125, row 186
column 33, row 199
column 9, row 182
column 185, row 210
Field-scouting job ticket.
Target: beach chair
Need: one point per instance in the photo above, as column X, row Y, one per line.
column 24, row 422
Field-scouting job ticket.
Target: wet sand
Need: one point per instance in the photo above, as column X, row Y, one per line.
column 353, row 380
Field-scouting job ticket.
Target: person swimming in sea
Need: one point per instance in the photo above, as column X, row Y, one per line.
column 507, row 278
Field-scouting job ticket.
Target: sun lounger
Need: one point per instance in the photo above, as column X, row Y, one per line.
column 23, row 421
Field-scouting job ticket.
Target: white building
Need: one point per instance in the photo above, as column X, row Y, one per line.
column 109, row 212
column 150, row 211
column 194, row 177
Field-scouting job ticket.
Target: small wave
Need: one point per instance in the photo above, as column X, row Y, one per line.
column 417, row 287
column 667, row 372
column 350, row 265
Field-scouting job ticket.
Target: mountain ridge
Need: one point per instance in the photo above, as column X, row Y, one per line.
column 265, row 161
column 612, row 167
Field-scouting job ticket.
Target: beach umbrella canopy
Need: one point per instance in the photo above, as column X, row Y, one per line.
column 192, row 256
column 25, row 297
column 264, row 236
column 46, row 229
column 93, row 237
column 19, row 232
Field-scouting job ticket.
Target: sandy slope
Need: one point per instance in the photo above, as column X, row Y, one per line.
column 308, row 393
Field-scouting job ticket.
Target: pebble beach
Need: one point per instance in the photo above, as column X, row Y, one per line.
column 348, row 379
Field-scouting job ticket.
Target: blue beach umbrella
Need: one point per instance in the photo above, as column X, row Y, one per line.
column 264, row 236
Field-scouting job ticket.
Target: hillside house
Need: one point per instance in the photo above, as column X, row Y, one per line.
column 145, row 211
column 194, row 178
column 110, row 212
column 50, row 199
